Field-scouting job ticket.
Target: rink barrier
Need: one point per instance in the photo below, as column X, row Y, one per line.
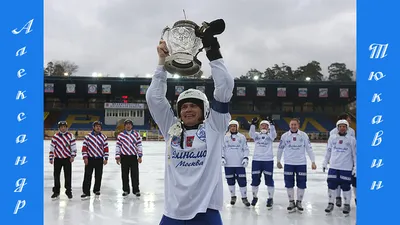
column 155, row 135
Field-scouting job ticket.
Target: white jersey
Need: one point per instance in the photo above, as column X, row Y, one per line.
column 294, row 147
column 193, row 175
column 263, row 143
column 235, row 149
column 350, row 131
column 341, row 152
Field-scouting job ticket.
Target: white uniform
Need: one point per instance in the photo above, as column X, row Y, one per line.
column 193, row 176
column 263, row 143
column 341, row 152
column 235, row 149
column 350, row 131
column 295, row 146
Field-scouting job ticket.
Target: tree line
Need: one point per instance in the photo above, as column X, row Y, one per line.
column 60, row 68
column 336, row 72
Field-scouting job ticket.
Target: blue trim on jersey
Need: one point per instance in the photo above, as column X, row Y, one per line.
column 221, row 107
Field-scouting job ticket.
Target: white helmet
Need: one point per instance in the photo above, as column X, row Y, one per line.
column 191, row 95
column 234, row 122
column 265, row 122
column 342, row 122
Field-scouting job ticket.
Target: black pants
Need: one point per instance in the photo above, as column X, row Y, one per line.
column 130, row 163
column 58, row 165
column 95, row 164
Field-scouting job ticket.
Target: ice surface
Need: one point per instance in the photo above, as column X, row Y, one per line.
column 112, row 209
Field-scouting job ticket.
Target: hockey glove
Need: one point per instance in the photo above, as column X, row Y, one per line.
column 271, row 121
column 245, row 162
column 211, row 45
column 254, row 121
column 354, row 173
column 223, row 161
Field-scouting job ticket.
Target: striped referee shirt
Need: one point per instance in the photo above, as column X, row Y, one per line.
column 95, row 145
column 63, row 145
column 129, row 143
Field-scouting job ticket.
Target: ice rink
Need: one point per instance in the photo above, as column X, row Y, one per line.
column 112, row 209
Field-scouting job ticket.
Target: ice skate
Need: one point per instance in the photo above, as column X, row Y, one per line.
column 69, row 195
column 125, row 194
column 299, row 206
column 329, row 209
column 338, row 201
column 270, row 202
column 97, row 194
column 85, row 197
column 346, row 209
column 254, row 201
column 233, row 200
column 137, row 194
column 292, row 207
column 55, row 196
column 245, row 202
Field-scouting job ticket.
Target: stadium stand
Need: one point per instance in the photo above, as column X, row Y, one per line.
column 83, row 119
column 81, row 107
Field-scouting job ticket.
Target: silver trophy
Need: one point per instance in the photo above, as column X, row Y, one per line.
column 183, row 47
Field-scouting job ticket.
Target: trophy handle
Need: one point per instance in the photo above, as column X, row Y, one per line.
column 164, row 31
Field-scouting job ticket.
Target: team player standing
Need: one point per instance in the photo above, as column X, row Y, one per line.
column 341, row 155
column 235, row 158
column 294, row 145
column 352, row 133
column 263, row 159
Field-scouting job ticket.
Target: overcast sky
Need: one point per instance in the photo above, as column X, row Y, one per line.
column 120, row 36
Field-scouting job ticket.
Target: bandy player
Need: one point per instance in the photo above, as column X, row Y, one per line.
column 351, row 132
column 235, row 158
column 193, row 176
column 263, row 159
column 341, row 155
column 294, row 144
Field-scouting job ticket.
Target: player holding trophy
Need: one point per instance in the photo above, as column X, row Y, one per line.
column 193, row 175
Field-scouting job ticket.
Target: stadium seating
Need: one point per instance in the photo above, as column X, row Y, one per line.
column 82, row 120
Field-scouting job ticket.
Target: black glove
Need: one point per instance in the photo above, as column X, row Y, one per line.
column 271, row 121
column 254, row 121
column 210, row 43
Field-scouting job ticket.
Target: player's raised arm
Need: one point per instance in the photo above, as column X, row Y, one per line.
column 272, row 131
column 223, row 83
column 159, row 107
column 252, row 131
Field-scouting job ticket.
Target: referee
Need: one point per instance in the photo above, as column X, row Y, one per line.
column 61, row 155
column 128, row 154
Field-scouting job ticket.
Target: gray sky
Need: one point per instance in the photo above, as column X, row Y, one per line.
column 120, row 36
